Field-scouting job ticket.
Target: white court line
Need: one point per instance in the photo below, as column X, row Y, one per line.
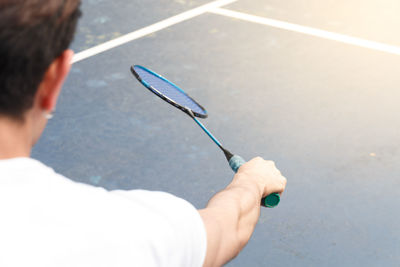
column 150, row 29
column 309, row 30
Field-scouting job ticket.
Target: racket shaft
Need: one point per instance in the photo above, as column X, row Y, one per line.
column 207, row 131
column 235, row 162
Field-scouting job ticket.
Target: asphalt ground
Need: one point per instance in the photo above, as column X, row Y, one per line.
column 326, row 111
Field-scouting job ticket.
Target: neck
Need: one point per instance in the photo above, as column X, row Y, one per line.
column 15, row 138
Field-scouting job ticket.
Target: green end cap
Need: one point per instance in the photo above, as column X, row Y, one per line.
column 272, row 200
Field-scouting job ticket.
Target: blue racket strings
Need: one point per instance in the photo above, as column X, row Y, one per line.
column 165, row 88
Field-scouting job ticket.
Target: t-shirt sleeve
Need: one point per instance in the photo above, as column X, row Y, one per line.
column 179, row 237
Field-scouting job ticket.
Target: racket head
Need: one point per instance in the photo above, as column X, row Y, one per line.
column 168, row 91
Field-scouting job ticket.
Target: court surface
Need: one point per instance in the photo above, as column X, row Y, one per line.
column 322, row 101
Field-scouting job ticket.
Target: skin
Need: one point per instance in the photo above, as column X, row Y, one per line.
column 230, row 216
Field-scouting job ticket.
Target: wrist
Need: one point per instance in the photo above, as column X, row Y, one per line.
column 248, row 183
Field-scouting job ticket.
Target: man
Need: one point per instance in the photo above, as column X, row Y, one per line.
column 48, row 220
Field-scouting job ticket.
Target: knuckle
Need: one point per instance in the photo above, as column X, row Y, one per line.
column 271, row 162
column 258, row 158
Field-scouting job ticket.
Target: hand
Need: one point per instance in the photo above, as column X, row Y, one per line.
column 232, row 214
column 264, row 173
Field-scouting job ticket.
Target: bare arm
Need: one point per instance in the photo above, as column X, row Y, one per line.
column 231, row 215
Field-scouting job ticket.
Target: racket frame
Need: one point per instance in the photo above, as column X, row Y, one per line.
column 187, row 110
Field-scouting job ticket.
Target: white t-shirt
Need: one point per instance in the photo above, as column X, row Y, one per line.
column 49, row 220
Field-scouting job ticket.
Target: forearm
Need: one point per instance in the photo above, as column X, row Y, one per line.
column 231, row 215
column 235, row 212
column 240, row 202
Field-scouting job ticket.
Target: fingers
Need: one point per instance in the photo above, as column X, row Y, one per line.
column 282, row 186
column 265, row 173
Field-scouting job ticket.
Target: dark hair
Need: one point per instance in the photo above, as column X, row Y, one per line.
column 33, row 33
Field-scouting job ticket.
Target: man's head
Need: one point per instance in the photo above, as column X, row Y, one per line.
column 34, row 38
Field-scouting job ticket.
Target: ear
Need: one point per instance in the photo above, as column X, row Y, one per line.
column 52, row 82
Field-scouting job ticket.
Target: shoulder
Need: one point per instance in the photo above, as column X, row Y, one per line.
column 176, row 228
column 148, row 228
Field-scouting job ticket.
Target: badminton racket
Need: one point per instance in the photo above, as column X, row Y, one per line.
column 175, row 96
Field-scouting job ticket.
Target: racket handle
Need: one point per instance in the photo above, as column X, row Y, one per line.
column 269, row 201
